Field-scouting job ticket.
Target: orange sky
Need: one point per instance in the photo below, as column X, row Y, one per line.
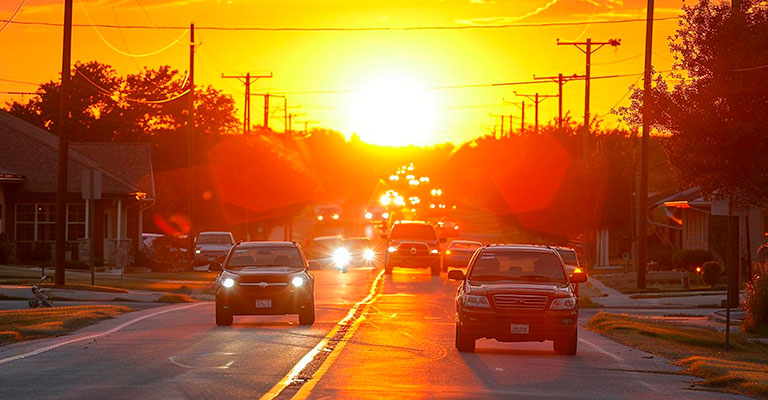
column 309, row 61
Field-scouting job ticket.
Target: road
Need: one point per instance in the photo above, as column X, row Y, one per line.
column 400, row 347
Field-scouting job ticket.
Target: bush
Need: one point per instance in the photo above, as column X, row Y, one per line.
column 690, row 259
column 710, row 273
column 661, row 255
column 756, row 304
column 168, row 255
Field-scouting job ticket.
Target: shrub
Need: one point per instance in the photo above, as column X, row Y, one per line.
column 661, row 254
column 756, row 304
column 168, row 255
column 690, row 259
column 710, row 273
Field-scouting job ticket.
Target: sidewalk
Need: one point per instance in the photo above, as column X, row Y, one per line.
column 14, row 292
column 611, row 298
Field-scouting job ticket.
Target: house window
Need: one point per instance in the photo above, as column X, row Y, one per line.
column 46, row 222
column 25, row 222
column 75, row 221
column 35, row 222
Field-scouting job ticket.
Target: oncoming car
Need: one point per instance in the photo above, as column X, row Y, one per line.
column 264, row 278
column 517, row 293
column 413, row 244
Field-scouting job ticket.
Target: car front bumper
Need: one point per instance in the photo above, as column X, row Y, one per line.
column 431, row 261
column 547, row 325
column 240, row 300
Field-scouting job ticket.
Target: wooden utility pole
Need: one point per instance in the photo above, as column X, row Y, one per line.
column 588, row 50
column 522, row 113
column 537, row 98
column 502, row 116
column 190, row 147
column 560, row 80
column 61, row 189
column 642, row 201
column 247, row 79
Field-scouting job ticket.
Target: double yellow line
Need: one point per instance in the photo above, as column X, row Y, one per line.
column 349, row 321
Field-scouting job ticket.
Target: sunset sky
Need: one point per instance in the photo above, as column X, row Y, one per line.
column 384, row 81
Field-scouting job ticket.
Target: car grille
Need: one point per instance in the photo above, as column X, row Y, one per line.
column 413, row 249
column 263, row 278
column 520, row 301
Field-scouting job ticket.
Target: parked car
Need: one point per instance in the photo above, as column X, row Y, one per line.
column 459, row 252
column 320, row 251
column 212, row 246
column 517, row 293
column 413, row 244
column 264, row 278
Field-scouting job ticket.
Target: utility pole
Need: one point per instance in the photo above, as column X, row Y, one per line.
column 290, row 120
column 642, row 201
column 522, row 114
column 502, row 116
column 247, row 79
column 560, row 80
column 61, row 190
column 537, row 98
column 190, row 146
column 588, row 50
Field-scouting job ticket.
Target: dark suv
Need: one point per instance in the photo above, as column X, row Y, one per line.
column 264, row 278
column 413, row 244
column 517, row 293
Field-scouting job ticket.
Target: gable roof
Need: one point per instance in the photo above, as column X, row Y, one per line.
column 33, row 153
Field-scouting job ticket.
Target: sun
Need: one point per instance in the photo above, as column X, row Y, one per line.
column 392, row 111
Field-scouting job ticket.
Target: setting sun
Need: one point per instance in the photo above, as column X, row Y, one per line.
column 392, row 111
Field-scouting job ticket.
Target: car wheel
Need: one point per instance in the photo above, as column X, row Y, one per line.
column 223, row 317
column 567, row 346
column 307, row 315
column 464, row 343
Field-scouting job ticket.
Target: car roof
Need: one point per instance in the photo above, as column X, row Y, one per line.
column 563, row 248
column 525, row 247
column 327, row 238
column 267, row 243
column 358, row 238
column 215, row 233
column 466, row 241
column 413, row 222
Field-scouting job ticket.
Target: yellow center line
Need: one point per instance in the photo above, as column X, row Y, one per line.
column 293, row 374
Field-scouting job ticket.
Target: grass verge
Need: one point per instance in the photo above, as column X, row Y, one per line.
column 586, row 302
column 657, row 282
column 700, row 351
column 74, row 286
column 175, row 298
column 18, row 325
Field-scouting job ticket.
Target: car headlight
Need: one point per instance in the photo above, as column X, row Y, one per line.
column 434, row 251
column 228, row 282
column 341, row 257
column 392, row 249
column 369, row 255
column 197, row 251
column 563, row 303
column 476, row 301
column 297, row 281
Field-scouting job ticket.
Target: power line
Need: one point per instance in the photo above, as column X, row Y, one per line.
column 129, row 99
column 8, row 21
column 21, row 82
column 351, row 29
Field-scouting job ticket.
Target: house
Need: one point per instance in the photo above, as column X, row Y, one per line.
column 109, row 187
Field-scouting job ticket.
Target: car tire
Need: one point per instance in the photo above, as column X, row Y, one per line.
column 464, row 343
column 307, row 315
column 223, row 318
column 567, row 346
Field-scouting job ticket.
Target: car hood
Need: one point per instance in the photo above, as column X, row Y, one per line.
column 537, row 287
column 431, row 243
column 251, row 271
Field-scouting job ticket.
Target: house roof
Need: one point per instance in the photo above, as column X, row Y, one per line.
column 32, row 152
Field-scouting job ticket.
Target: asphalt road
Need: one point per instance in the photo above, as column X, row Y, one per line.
column 401, row 348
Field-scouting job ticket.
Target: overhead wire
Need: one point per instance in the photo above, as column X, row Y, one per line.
column 130, row 99
column 355, row 29
column 8, row 21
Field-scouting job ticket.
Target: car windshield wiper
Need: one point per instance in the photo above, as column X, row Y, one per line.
column 538, row 278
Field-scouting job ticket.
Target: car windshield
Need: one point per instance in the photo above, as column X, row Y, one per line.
column 517, row 265
column 357, row 244
column 464, row 246
column 413, row 232
column 569, row 256
column 265, row 256
column 216, row 238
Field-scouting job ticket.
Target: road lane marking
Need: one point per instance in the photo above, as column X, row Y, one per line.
column 351, row 322
column 95, row 335
column 601, row 351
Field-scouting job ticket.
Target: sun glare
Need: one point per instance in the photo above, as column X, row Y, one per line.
column 392, row 111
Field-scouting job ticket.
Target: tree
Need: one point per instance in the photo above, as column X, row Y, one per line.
column 714, row 107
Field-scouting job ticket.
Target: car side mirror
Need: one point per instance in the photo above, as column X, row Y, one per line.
column 443, row 240
column 578, row 276
column 456, row 275
column 214, row 266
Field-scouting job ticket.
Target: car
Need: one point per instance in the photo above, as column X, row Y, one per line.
column 330, row 213
column 212, row 246
column 517, row 293
column 321, row 250
column 459, row 252
column 264, row 278
column 569, row 256
column 412, row 244
column 362, row 252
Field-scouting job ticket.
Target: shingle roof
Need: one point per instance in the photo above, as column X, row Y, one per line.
column 33, row 152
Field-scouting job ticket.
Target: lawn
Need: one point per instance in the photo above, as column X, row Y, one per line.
column 18, row 325
column 700, row 351
column 656, row 282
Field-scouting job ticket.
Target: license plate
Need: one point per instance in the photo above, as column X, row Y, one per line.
column 264, row 303
column 520, row 329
